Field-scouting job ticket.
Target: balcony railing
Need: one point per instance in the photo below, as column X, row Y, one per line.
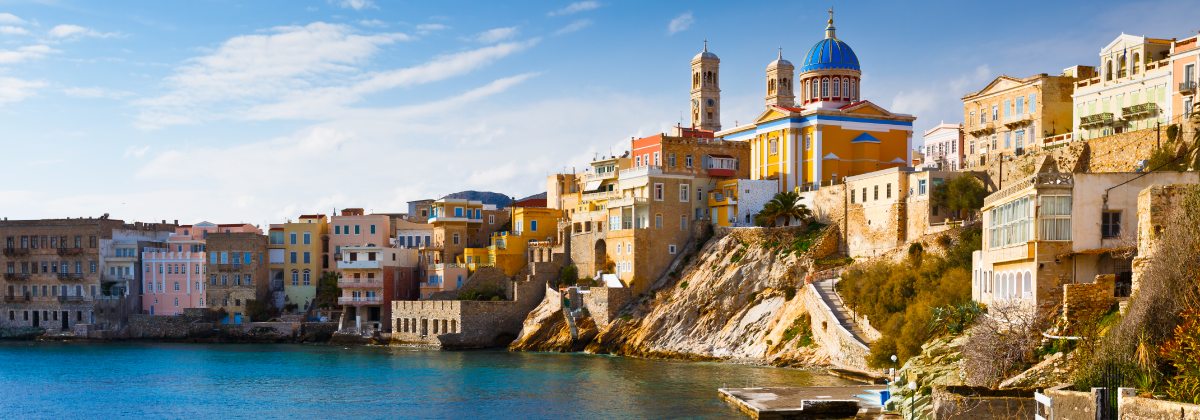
column 628, row 201
column 1036, row 180
column 361, row 300
column 70, row 276
column 363, row 284
column 603, row 195
column 600, row 177
column 70, row 251
column 16, row 276
column 1087, row 82
column 443, row 266
column 9, row 252
column 1187, row 87
column 11, row 298
column 1139, row 110
column 640, row 171
column 70, row 298
column 1122, row 73
column 981, row 127
column 1016, row 119
column 1103, row 118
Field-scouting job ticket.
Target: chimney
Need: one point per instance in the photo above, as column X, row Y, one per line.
column 164, row 221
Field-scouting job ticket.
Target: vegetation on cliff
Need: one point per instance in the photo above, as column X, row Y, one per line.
column 900, row 298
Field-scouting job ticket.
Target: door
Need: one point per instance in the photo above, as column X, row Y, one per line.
column 37, row 322
column 65, row 315
column 237, row 317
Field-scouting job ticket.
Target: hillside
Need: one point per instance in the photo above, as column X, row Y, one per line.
column 487, row 197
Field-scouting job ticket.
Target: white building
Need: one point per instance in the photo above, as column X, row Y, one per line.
column 1130, row 91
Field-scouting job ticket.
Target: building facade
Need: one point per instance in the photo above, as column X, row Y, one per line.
column 829, row 132
column 237, row 272
column 374, row 277
column 306, row 256
column 1011, row 115
column 173, row 272
column 1130, row 91
column 944, row 147
column 1185, row 74
column 736, row 202
column 355, row 228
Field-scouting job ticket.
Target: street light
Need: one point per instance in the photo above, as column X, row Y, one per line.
column 912, row 386
column 894, row 368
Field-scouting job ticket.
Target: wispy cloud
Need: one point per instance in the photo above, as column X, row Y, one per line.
column 25, row 53
column 13, row 30
column 426, row 28
column 9, row 18
column 496, row 35
column 134, row 151
column 574, row 26
column 355, row 4
column 96, row 92
column 76, row 31
column 680, row 23
column 575, row 8
column 374, row 23
column 15, row 90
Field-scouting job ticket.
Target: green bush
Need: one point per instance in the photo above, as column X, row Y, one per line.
column 683, row 285
column 954, row 319
column 568, row 276
column 789, row 293
column 801, row 327
column 898, row 298
column 487, row 291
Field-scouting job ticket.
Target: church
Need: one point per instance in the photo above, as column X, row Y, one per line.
column 815, row 129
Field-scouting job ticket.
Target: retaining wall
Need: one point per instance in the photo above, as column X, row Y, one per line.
column 831, row 335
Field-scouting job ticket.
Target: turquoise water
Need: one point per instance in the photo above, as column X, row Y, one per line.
column 219, row 381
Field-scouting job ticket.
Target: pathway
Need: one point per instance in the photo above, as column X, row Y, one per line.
column 825, row 290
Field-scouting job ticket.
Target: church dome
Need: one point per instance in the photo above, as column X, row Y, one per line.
column 830, row 53
column 705, row 53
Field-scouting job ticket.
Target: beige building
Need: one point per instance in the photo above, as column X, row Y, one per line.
column 237, row 272
column 1010, row 114
column 1129, row 93
column 1054, row 229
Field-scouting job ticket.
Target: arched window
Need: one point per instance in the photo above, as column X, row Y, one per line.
column 1108, row 70
column 1028, row 285
column 770, row 86
column 837, row 88
column 307, row 281
column 1136, row 62
column 846, row 88
column 295, row 278
column 176, row 302
column 824, row 88
column 176, row 286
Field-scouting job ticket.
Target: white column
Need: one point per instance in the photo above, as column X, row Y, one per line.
column 908, row 151
column 187, row 275
column 795, row 144
column 782, row 162
column 753, row 159
column 817, row 158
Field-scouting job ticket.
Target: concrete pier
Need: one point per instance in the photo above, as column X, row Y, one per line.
column 828, row 402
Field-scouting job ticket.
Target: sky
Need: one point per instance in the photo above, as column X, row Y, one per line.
column 258, row 112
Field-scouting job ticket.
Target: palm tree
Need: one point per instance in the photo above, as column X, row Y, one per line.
column 784, row 205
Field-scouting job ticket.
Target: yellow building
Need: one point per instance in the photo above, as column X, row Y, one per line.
column 736, row 202
column 824, row 132
column 529, row 224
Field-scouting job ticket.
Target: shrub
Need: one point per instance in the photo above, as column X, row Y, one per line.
column 291, row 307
column 944, row 241
column 683, row 285
column 801, row 327
column 1183, row 354
column 626, row 317
column 257, row 310
column 568, row 276
column 916, row 252
column 962, row 193
column 486, row 291
column 737, row 255
column 954, row 319
column 752, row 297
column 789, row 293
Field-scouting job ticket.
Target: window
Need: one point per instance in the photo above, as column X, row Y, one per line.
column 658, row 192
column 853, row 89
column 212, row 280
column 683, row 193
column 995, row 112
column 889, row 190
column 1010, row 223
column 456, row 239
column 491, row 219
column 824, row 88
column 807, row 142
column 356, row 230
column 1054, row 218
column 176, row 286
column 852, row 194
column 683, row 225
column 837, row 88
column 876, row 196
column 671, row 160
column 372, row 229
column 292, row 238
column 307, row 259
column 308, row 238
column 658, row 221
column 1007, row 139
column 1110, row 224
column 533, row 225
column 637, row 161
column 307, row 278
column 656, row 161
column 337, row 229
column 1032, row 103
column 864, row 195
column 671, row 249
column 687, row 161
column 774, row 146
column 921, row 187
column 292, row 255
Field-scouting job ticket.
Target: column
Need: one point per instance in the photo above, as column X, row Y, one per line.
column 753, row 159
column 783, row 152
column 817, row 157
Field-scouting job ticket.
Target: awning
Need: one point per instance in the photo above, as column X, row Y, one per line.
column 592, row 185
column 1098, row 251
column 722, row 156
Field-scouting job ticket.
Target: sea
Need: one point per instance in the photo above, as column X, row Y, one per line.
column 74, row 380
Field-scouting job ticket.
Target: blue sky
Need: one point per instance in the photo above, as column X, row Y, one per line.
column 259, row 111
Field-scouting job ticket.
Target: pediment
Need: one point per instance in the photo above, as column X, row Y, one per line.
column 1001, row 83
column 867, row 108
column 770, row 114
column 1124, row 40
column 830, row 156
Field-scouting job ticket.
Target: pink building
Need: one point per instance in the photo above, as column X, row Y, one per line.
column 355, row 229
column 174, row 274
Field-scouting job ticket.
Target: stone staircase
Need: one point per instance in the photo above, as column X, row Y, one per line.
column 824, row 288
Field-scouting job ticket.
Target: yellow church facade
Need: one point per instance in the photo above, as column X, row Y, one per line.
column 816, row 130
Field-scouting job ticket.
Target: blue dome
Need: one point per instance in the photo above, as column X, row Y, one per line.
column 830, row 53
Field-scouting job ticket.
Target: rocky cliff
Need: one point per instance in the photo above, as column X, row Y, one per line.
column 738, row 298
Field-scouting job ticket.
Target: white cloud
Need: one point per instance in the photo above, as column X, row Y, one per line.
column 575, row 8
column 24, row 53
column 15, row 90
column 96, row 92
column 680, row 23
column 311, row 9
column 297, row 73
column 11, row 19
column 426, row 28
column 356, row 4
column 135, row 151
column 574, row 26
column 76, row 31
column 496, row 35
column 374, row 23
column 972, row 80
column 13, row 30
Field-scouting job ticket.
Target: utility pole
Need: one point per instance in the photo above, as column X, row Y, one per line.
column 1158, row 134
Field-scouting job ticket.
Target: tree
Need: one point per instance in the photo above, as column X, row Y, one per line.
column 784, row 205
column 328, row 291
column 962, row 193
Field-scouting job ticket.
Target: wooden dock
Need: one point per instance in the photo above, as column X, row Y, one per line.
column 810, row 402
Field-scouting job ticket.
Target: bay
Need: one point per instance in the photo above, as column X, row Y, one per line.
column 53, row 380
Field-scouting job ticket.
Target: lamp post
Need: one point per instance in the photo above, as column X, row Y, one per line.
column 912, row 387
column 894, row 372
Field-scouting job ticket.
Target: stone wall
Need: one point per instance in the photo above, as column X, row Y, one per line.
column 482, row 276
column 461, row 324
column 1154, row 207
column 604, row 303
column 1136, row 408
column 981, row 403
column 113, row 312
column 841, row 345
column 1084, row 301
column 1072, row 405
column 166, row 326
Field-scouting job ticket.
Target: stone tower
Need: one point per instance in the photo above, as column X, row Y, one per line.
column 706, row 92
column 779, row 82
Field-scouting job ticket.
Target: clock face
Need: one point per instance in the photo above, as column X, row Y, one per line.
column 712, row 102
column 695, row 103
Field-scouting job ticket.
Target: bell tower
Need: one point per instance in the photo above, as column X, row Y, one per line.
column 779, row 82
column 706, row 91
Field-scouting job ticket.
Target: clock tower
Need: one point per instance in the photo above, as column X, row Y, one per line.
column 706, row 91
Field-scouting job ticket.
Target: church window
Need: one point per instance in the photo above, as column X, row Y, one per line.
column 846, row 88
column 824, row 88
column 837, row 88
column 853, row 89
column 812, row 89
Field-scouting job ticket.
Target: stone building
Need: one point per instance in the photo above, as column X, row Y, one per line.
column 1130, row 91
column 1185, row 73
column 508, row 248
column 706, row 91
column 238, row 272
column 825, row 131
column 1053, row 229
column 1011, row 115
column 944, row 147
column 458, row 226
column 374, row 277
column 52, row 271
column 420, row 210
column 298, row 254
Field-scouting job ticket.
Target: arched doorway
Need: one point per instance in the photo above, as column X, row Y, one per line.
column 600, row 255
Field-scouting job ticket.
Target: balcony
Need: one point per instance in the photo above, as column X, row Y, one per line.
column 435, row 267
column 1139, row 110
column 16, row 276
column 1103, row 118
column 1017, row 119
column 70, row 298
column 977, row 129
column 70, row 251
column 600, row 177
column 359, row 265
column 360, row 301
column 11, row 298
column 641, row 171
column 603, row 195
column 726, row 173
column 628, row 201
column 1187, row 88
column 1042, row 180
column 360, row 284
column 16, row 252
column 721, row 200
column 70, row 276
column 228, row 267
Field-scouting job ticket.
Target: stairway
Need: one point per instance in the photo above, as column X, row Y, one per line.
column 824, row 289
